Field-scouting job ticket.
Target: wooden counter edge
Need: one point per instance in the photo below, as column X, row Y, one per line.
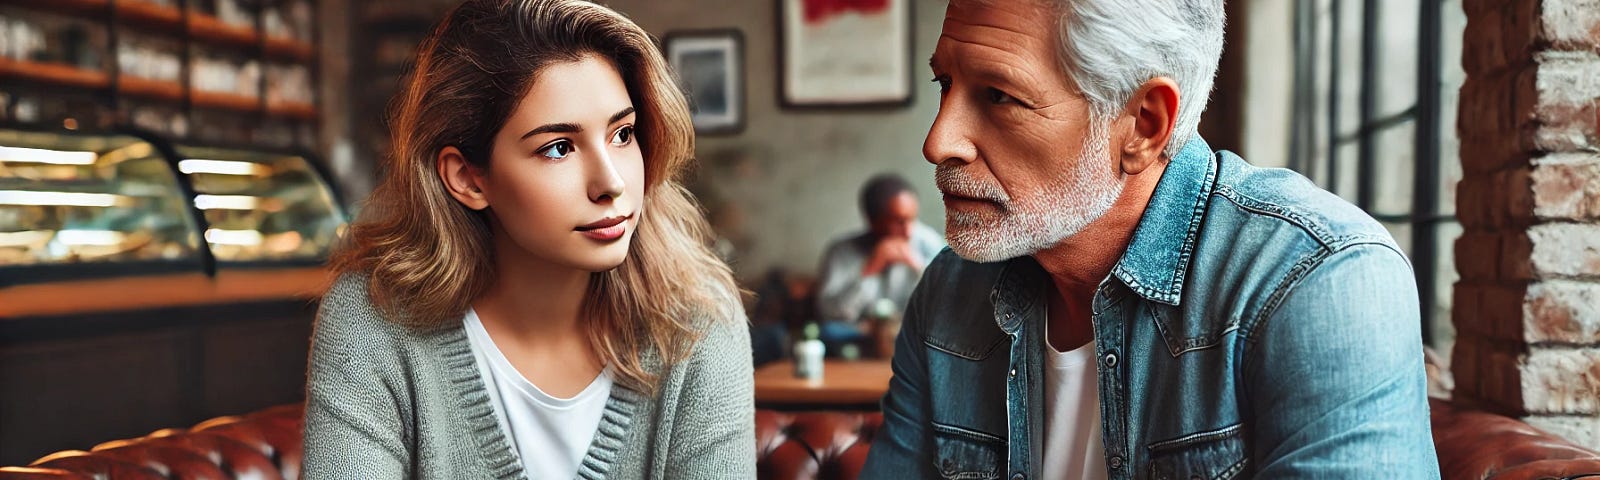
column 162, row 291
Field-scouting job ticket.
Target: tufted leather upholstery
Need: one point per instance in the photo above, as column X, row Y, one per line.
column 793, row 446
column 831, row 445
column 1474, row 444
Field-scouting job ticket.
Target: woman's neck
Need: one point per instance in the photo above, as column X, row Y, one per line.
column 532, row 312
column 531, row 298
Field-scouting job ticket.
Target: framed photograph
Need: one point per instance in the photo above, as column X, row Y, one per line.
column 845, row 53
column 710, row 63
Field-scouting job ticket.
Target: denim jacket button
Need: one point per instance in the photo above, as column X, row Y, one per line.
column 1116, row 463
column 1111, row 359
column 1018, row 476
column 1013, row 373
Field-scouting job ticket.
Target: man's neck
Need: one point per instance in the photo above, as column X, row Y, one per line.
column 1078, row 264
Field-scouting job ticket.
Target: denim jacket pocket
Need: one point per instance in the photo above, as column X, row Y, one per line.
column 1211, row 455
column 965, row 454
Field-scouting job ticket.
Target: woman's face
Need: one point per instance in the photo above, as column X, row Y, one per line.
column 565, row 182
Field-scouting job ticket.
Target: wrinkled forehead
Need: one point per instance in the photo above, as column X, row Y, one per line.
column 982, row 31
column 1007, row 25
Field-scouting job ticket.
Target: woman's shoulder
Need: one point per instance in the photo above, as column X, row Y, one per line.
column 722, row 316
column 721, row 330
column 348, row 315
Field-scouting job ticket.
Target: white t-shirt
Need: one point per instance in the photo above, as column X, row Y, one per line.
column 1072, row 445
column 551, row 435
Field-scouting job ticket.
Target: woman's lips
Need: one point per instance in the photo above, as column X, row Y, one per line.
column 606, row 230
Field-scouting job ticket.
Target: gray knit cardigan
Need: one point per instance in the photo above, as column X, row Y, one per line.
column 386, row 401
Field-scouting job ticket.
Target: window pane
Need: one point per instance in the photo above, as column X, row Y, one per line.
column 1397, row 56
column 1394, row 169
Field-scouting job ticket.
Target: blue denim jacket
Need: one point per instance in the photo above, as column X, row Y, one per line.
column 1256, row 326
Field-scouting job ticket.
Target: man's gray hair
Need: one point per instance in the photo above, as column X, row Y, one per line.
column 1109, row 48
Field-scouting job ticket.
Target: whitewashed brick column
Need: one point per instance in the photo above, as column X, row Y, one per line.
column 1527, row 308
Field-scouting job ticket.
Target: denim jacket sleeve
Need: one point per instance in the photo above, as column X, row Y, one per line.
column 1336, row 383
column 904, row 444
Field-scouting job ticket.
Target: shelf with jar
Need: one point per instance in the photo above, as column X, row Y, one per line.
column 255, row 58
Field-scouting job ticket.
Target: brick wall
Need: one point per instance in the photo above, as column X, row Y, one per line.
column 1527, row 308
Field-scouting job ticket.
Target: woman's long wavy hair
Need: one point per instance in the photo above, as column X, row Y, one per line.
column 428, row 257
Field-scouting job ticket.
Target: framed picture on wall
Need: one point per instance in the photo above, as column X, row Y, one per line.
column 844, row 53
column 710, row 63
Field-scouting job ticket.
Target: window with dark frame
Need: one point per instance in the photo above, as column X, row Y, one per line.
column 1374, row 100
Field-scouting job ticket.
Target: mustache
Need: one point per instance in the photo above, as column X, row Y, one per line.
column 952, row 181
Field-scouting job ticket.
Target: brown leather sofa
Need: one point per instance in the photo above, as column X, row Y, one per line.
column 808, row 445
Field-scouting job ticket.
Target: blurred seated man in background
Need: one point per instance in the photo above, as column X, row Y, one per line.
column 865, row 274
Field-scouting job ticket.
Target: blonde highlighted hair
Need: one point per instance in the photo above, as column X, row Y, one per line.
column 428, row 257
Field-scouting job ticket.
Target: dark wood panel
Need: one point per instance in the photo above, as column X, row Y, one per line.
column 254, row 365
column 74, row 381
column 76, row 393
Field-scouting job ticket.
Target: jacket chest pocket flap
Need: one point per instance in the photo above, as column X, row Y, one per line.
column 965, row 454
column 1209, row 455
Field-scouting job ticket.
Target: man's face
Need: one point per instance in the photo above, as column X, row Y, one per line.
column 1019, row 162
column 896, row 219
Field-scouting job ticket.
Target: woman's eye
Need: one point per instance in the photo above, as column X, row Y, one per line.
column 943, row 82
column 997, row 97
column 623, row 136
column 558, row 150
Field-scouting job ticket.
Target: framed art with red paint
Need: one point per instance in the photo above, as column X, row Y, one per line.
column 845, row 53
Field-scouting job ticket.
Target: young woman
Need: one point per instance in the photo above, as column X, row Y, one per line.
column 530, row 291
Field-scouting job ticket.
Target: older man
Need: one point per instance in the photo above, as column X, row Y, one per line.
column 1126, row 302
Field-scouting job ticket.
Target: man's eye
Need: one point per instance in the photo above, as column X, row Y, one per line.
column 943, row 82
column 623, row 136
column 997, row 97
column 558, row 150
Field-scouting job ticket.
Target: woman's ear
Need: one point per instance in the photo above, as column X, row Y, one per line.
column 464, row 181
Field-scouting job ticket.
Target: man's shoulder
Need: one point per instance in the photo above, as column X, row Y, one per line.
column 1287, row 207
column 950, row 301
column 1264, row 230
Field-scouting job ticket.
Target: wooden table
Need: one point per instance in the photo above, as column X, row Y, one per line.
column 843, row 383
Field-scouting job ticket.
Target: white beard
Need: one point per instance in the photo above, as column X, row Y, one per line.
column 1023, row 226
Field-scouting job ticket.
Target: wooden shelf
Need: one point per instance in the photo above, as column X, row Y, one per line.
column 153, row 19
column 144, row 87
column 212, row 30
column 283, row 48
column 295, row 110
column 53, row 73
column 225, row 101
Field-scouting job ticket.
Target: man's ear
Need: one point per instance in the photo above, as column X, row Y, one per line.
column 464, row 181
column 1154, row 112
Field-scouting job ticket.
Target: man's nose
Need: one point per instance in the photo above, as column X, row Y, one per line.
column 949, row 138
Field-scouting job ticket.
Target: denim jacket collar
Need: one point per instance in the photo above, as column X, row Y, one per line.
column 1158, row 255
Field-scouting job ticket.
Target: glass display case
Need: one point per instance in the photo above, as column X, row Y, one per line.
column 71, row 204
column 76, row 206
column 262, row 207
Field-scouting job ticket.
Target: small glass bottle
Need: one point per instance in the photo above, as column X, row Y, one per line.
column 808, row 354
